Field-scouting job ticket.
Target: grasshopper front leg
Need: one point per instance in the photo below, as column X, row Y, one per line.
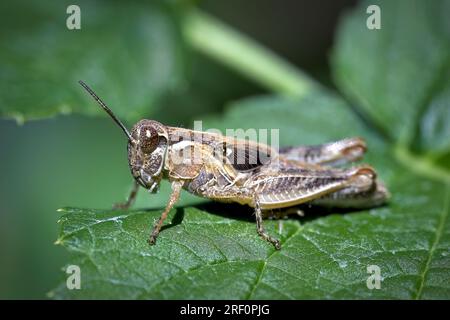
column 176, row 190
column 131, row 198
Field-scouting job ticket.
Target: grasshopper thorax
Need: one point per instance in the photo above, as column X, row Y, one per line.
column 147, row 152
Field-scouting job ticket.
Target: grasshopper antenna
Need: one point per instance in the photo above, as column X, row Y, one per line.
column 108, row 110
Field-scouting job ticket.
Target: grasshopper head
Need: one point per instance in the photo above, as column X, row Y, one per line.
column 147, row 145
column 146, row 153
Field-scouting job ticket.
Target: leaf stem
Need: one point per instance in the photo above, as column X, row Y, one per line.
column 221, row 42
column 421, row 165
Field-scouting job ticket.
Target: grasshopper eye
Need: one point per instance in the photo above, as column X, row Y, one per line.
column 148, row 140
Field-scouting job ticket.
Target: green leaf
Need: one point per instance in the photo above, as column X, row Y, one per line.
column 399, row 75
column 137, row 61
column 213, row 251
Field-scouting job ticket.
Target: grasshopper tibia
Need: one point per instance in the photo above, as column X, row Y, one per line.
column 176, row 189
column 260, row 227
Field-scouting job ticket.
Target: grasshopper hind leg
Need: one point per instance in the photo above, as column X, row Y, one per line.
column 330, row 154
column 354, row 198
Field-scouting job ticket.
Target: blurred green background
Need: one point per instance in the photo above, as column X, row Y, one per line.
column 76, row 160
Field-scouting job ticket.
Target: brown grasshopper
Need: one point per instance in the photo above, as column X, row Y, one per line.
column 226, row 169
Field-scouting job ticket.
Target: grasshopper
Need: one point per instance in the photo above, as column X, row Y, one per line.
column 261, row 177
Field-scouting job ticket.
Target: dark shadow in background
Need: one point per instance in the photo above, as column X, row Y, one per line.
column 301, row 31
